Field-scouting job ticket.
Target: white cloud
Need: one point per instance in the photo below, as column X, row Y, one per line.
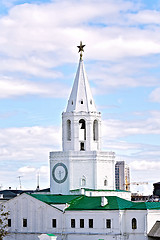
column 10, row 87
column 115, row 128
column 26, row 170
column 155, row 95
column 31, row 28
column 28, row 143
column 32, row 41
column 145, row 165
column 145, row 17
column 25, row 151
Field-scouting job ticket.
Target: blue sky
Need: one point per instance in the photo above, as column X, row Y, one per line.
column 38, row 62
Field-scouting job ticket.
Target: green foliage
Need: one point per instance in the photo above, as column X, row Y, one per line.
column 3, row 221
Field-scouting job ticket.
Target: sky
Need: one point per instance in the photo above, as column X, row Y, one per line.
column 38, row 62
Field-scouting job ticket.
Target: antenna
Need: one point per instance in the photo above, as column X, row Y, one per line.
column 20, row 181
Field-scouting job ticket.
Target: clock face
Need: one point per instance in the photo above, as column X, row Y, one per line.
column 59, row 173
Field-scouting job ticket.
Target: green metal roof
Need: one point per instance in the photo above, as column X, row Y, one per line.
column 81, row 202
column 114, row 203
column 94, row 203
column 54, row 199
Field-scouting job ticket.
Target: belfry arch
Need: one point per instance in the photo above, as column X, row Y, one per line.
column 82, row 130
column 95, row 130
column 68, row 130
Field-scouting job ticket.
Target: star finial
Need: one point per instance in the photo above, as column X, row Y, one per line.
column 81, row 46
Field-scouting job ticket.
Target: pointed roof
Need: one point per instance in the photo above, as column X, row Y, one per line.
column 81, row 97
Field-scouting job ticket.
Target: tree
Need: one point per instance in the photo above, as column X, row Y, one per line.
column 3, row 221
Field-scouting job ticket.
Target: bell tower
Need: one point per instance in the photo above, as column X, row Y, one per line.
column 81, row 164
column 81, row 123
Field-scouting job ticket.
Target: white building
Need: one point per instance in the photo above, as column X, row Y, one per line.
column 77, row 217
column 81, row 163
column 83, row 203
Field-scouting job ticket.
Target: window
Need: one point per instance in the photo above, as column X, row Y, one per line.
column 90, row 223
column 81, row 223
column 134, row 223
column 9, row 222
column 72, row 102
column 90, row 101
column 105, row 182
column 81, row 101
column 95, row 130
column 108, row 223
column 82, row 146
column 54, row 223
column 24, row 222
column 83, row 181
column 68, row 130
column 73, row 223
column 82, row 130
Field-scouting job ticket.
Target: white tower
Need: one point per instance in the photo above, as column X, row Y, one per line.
column 81, row 164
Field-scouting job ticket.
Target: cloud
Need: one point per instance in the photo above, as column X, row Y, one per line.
column 116, row 128
column 145, row 165
column 28, row 143
column 32, row 43
column 155, row 95
column 145, row 17
column 25, row 151
column 27, row 170
column 29, row 29
column 10, row 87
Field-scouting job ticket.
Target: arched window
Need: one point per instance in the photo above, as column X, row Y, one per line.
column 83, row 181
column 95, row 130
column 68, row 130
column 134, row 223
column 82, row 130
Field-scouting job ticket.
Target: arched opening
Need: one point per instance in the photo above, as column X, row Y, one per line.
column 134, row 223
column 83, row 181
column 95, row 130
column 68, row 130
column 82, row 130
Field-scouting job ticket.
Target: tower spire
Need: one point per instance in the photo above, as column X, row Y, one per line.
column 81, row 46
column 81, row 98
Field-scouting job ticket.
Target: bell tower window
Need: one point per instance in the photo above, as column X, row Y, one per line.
column 95, row 130
column 81, row 101
column 82, row 130
column 68, row 130
column 82, row 146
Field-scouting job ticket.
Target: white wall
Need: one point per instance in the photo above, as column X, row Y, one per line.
column 38, row 214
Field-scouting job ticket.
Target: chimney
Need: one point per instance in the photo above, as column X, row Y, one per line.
column 82, row 191
column 104, row 201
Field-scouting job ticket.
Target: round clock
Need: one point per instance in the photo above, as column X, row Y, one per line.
column 60, row 173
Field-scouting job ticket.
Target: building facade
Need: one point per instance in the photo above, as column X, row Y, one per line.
column 122, row 176
column 77, row 217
